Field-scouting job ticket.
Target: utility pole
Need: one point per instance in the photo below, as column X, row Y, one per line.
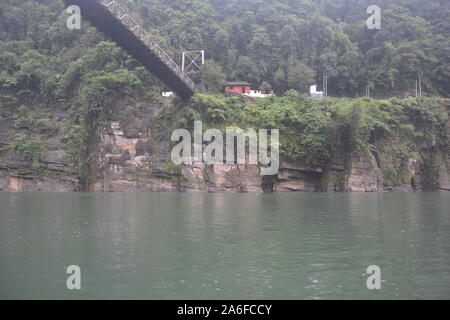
column 417, row 88
column 325, row 85
column 420, row 86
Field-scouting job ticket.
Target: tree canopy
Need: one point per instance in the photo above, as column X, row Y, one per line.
column 287, row 44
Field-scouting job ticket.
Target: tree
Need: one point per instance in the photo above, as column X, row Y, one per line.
column 246, row 70
column 212, row 77
column 300, row 77
column 265, row 87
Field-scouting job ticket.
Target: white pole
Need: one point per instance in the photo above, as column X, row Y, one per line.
column 420, row 86
column 323, row 84
column 182, row 62
column 417, row 91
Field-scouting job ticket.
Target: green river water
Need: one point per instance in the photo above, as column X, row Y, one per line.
column 225, row 246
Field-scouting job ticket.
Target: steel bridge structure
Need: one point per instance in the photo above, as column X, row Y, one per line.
column 110, row 18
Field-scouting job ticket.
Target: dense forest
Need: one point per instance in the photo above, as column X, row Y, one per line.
column 287, row 44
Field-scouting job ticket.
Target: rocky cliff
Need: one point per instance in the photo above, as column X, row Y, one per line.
column 132, row 156
column 17, row 173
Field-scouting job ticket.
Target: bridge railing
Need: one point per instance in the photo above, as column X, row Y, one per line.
column 122, row 15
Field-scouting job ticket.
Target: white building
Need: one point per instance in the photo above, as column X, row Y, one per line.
column 257, row 94
column 314, row 93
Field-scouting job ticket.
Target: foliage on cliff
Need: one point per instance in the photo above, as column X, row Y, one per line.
column 90, row 84
column 315, row 131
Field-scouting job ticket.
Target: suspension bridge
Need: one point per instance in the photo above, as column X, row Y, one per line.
column 110, row 18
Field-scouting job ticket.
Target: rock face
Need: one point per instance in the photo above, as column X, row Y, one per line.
column 444, row 172
column 133, row 156
column 444, row 176
column 361, row 176
column 132, row 159
column 55, row 171
column 295, row 177
column 128, row 164
column 131, row 164
column 129, row 158
column 364, row 176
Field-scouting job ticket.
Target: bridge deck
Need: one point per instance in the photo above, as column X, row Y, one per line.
column 112, row 20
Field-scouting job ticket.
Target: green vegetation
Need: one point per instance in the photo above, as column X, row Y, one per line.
column 287, row 44
column 43, row 65
column 92, row 83
column 290, row 44
column 282, row 45
column 31, row 149
column 34, row 121
column 315, row 131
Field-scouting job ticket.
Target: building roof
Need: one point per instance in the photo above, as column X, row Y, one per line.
column 237, row 84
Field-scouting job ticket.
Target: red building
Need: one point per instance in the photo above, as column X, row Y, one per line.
column 239, row 87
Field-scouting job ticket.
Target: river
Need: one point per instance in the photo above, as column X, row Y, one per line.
column 225, row 246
